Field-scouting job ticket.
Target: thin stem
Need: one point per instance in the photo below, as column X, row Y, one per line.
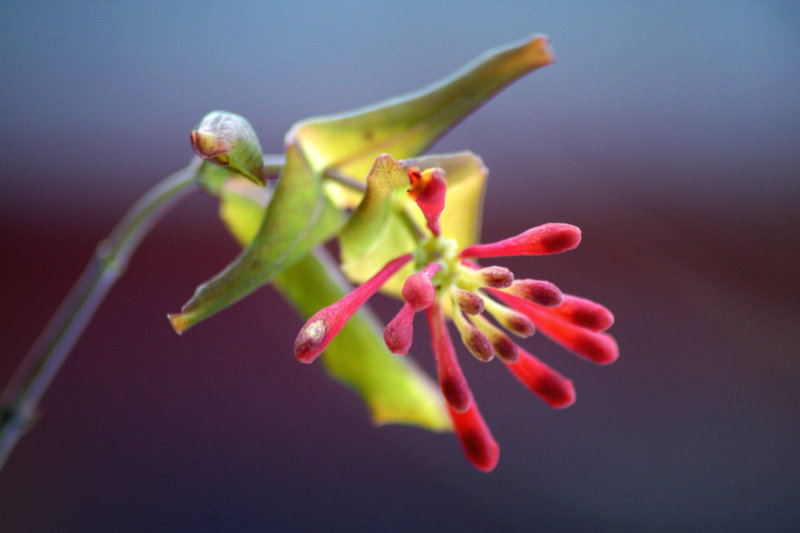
column 344, row 179
column 274, row 164
column 37, row 370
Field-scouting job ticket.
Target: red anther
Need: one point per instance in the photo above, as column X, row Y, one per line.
column 477, row 441
column 451, row 379
column 326, row 323
column 548, row 384
column 550, row 238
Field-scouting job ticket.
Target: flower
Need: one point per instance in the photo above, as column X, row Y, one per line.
column 447, row 282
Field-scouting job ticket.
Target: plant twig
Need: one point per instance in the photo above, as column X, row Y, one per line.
column 37, row 370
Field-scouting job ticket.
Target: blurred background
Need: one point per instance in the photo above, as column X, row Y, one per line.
column 669, row 132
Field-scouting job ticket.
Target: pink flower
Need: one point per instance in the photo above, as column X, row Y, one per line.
column 448, row 282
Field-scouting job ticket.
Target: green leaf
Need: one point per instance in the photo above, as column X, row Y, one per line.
column 298, row 218
column 394, row 388
column 347, row 143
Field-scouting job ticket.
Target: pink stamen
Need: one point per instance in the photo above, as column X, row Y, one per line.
column 451, row 379
column 550, row 238
column 326, row 323
column 479, row 446
column 545, row 382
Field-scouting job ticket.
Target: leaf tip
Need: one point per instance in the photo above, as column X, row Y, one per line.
column 179, row 322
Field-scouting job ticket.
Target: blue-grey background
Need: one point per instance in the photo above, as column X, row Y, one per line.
column 669, row 131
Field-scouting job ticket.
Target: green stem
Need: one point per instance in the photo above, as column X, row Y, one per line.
column 34, row 375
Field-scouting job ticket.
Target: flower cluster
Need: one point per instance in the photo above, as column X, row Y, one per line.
column 447, row 282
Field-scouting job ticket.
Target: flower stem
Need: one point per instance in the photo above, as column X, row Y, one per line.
column 20, row 399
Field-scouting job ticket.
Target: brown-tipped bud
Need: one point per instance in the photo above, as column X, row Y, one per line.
column 495, row 277
column 503, row 346
column 228, row 140
column 537, row 291
column 514, row 321
column 418, row 291
column 399, row 333
column 473, row 338
column 469, row 302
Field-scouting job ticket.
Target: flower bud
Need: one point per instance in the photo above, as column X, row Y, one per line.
column 228, row 140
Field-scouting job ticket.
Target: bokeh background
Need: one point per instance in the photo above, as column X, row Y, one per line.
column 668, row 131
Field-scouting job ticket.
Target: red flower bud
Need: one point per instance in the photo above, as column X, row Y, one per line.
column 550, row 238
column 399, row 333
column 479, row 446
column 451, row 379
column 548, row 384
column 326, row 323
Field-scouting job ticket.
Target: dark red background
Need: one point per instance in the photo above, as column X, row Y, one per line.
column 668, row 133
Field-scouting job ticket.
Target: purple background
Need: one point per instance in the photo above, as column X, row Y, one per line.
column 669, row 132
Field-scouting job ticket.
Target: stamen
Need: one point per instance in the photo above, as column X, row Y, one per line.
column 514, row 321
column 326, row 323
column 451, row 379
column 469, row 302
column 550, row 238
column 496, row 277
column 504, row 347
column 548, row 384
column 476, row 342
column 537, row 291
column 479, row 446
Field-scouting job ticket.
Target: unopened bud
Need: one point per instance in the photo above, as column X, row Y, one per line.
column 228, row 140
